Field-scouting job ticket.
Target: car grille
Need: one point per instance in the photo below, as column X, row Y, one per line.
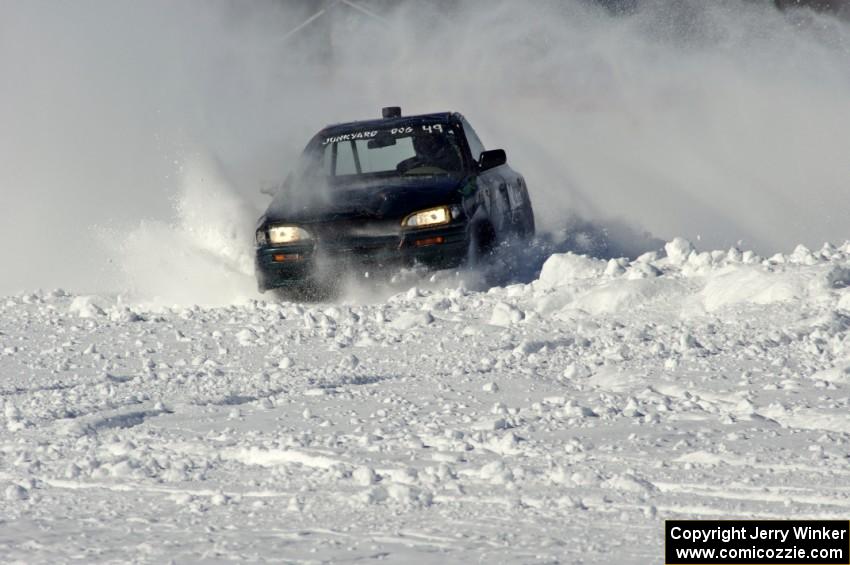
column 357, row 235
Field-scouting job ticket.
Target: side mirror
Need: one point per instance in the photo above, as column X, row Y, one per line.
column 491, row 159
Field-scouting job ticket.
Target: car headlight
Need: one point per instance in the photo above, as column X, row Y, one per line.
column 287, row 234
column 430, row 217
column 261, row 237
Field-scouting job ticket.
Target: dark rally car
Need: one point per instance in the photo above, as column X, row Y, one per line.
column 399, row 191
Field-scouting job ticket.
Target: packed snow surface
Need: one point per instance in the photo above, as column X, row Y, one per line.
column 556, row 421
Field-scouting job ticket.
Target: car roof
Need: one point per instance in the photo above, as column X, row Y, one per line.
column 435, row 117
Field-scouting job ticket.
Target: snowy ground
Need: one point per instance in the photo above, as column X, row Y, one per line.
column 558, row 421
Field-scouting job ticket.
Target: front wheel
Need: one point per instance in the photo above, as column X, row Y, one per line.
column 308, row 291
column 526, row 227
column 482, row 242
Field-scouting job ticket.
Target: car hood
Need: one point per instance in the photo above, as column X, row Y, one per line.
column 375, row 199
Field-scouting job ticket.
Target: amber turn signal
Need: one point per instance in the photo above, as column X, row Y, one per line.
column 429, row 241
column 283, row 257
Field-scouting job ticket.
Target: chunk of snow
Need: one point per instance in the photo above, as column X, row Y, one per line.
column 16, row 492
column 678, row 250
column 492, row 424
column 641, row 271
column 246, row 337
column 505, row 314
column 844, row 301
column 85, row 307
column 364, row 476
column 349, row 362
column 575, row 371
column 564, row 268
column 410, row 320
column 630, row 483
column 615, row 267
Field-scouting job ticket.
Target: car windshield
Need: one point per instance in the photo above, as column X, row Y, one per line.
column 422, row 149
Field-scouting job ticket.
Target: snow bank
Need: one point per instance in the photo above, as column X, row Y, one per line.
column 692, row 281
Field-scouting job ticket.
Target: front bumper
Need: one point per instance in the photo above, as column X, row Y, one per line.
column 323, row 260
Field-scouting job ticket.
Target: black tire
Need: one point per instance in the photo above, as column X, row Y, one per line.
column 527, row 227
column 482, row 242
column 308, row 291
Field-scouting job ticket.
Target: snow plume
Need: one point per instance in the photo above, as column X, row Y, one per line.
column 203, row 257
column 723, row 120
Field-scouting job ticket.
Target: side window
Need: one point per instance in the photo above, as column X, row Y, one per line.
column 475, row 145
column 327, row 161
column 345, row 164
